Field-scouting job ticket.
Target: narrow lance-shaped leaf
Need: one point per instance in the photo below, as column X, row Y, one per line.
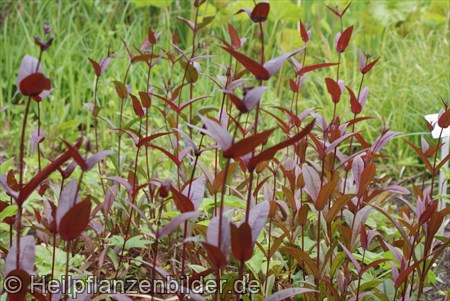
column 173, row 224
column 270, row 152
column 247, row 145
column 344, row 39
column 288, row 293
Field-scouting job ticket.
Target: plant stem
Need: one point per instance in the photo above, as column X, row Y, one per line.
column 133, row 199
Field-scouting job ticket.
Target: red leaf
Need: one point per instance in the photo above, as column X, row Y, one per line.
column 333, row 89
column 303, row 32
column 34, row 84
column 254, row 67
column 444, row 119
column 96, row 66
column 368, row 67
column 345, row 9
column 344, row 39
column 137, row 107
column 121, row 89
column 325, row 195
column 247, row 145
column 151, row 36
column 293, row 86
column 235, row 41
column 76, row 155
column 314, row 67
column 270, row 152
column 183, row 203
column 215, row 255
column 75, row 221
column 355, row 105
column 241, row 238
column 145, row 99
column 334, row 11
column 41, row 176
column 260, row 12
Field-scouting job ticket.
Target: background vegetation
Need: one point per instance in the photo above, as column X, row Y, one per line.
column 411, row 37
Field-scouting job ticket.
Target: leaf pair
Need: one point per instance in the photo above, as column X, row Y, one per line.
column 31, row 81
column 225, row 141
column 72, row 214
column 259, row 12
column 250, row 100
column 265, row 71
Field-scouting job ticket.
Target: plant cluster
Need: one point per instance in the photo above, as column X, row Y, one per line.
column 209, row 193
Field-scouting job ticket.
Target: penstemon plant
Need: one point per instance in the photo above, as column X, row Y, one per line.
column 220, row 185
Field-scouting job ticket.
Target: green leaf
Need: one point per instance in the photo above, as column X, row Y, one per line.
column 5, row 167
column 8, row 211
column 229, row 201
column 155, row 3
column 44, row 263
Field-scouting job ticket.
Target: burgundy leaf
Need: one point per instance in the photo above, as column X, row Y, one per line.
column 254, row 67
column 307, row 69
column 241, row 241
column 41, row 176
column 121, row 89
column 334, row 89
column 247, row 145
column 34, row 84
column 260, row 12
column 369, row 66
column 344, row 39
column 183, row 203
column 75, row 221
column 197, row 191
column 303, row 33
column 270, row 152
column 235, row 41
column 147, row 140
column 145, row 99
column 68, row 199
column 137, row 107
column 97, row 68
column 444, row 119
column 356, row 107
column 76, row 155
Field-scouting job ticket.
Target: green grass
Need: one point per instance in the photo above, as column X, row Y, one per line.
column 412, row 38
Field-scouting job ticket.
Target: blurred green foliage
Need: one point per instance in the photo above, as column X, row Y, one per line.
column 411, row 37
